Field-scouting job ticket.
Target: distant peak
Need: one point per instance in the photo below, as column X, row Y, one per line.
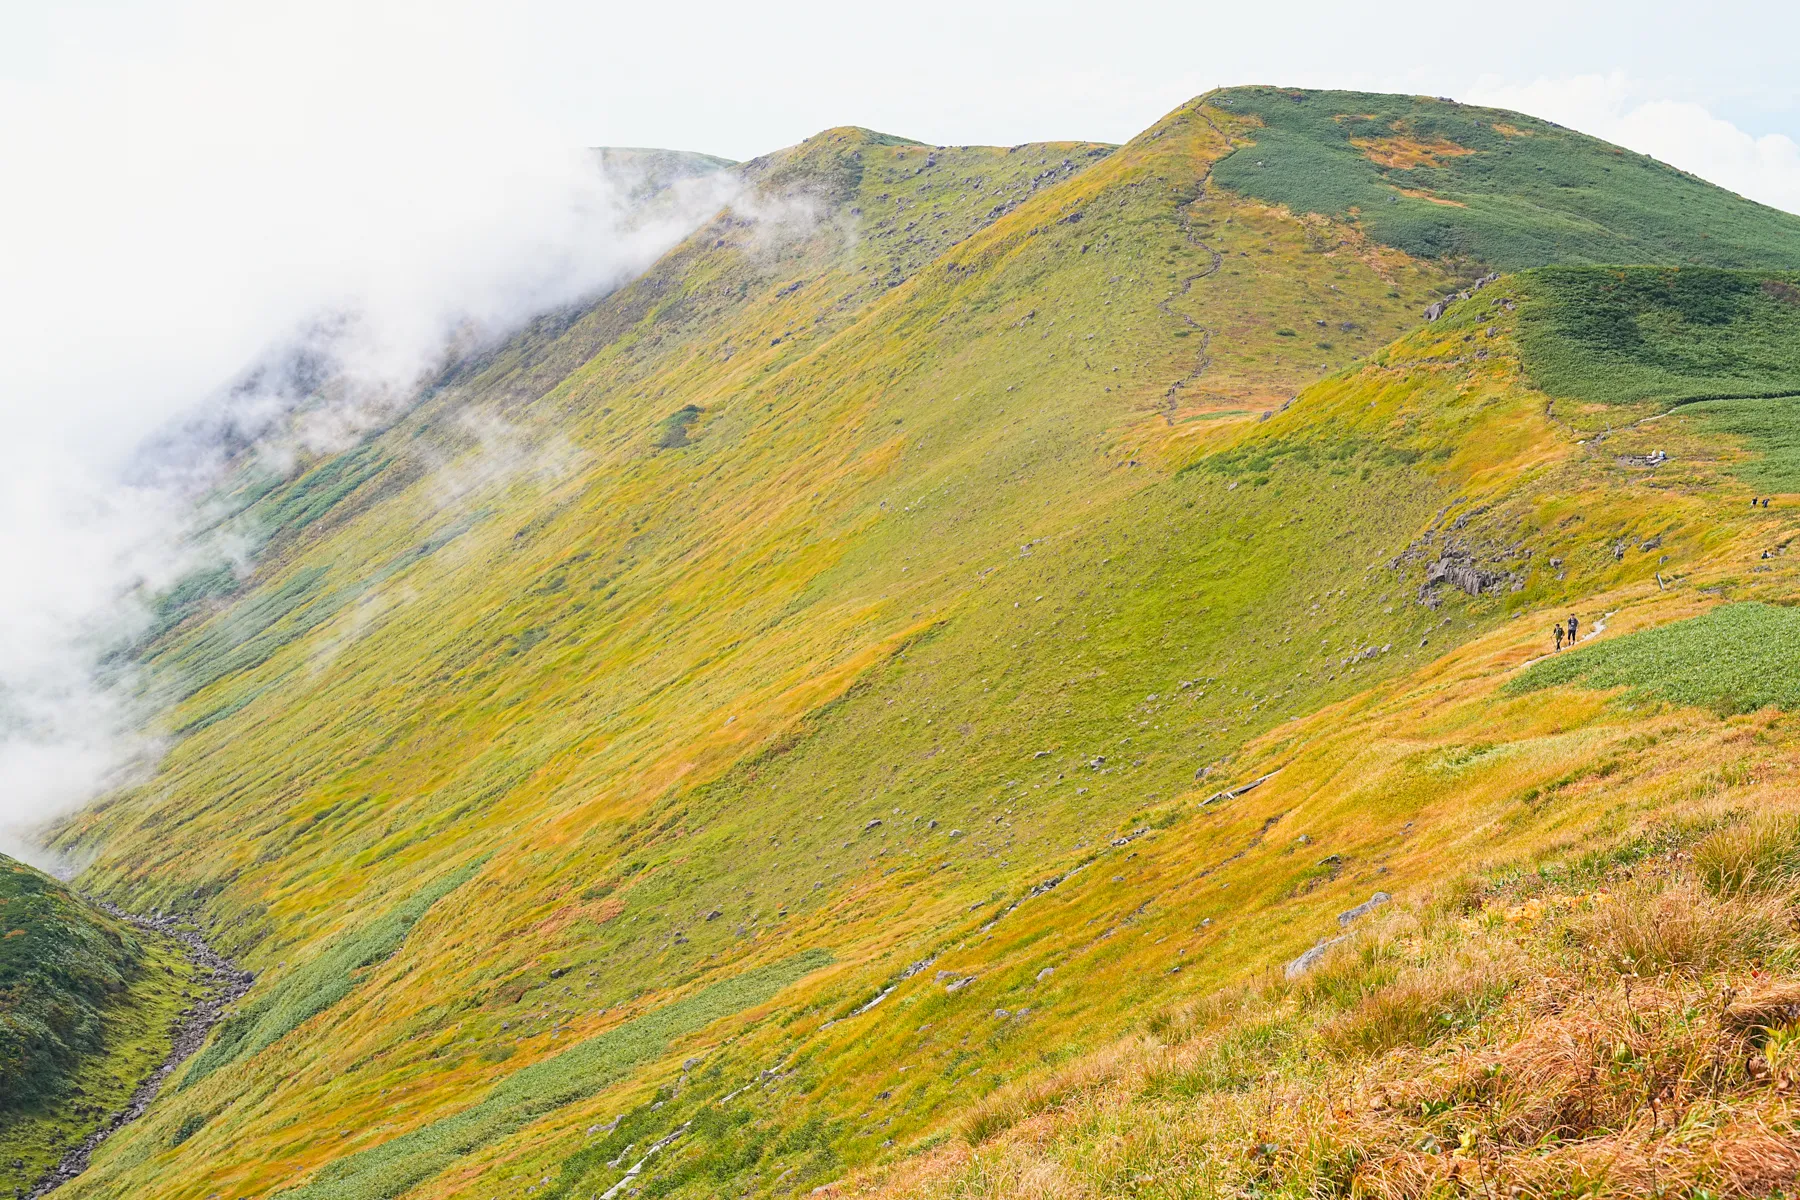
column 858, row 135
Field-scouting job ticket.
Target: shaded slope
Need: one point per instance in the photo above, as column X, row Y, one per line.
column 1666, row 336
column 85, row 1004
column 1434, row 177
column 883, row 656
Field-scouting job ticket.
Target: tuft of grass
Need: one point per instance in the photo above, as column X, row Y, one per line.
column 1420, row 1006
column 1759, row 855
column 1653, row 928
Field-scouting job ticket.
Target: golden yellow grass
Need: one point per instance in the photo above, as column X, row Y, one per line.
column 1571, row 1073
column 1406, row 153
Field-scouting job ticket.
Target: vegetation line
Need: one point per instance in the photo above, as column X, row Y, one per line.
column 225, row 984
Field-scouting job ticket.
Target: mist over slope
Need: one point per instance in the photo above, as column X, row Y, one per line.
column 761, row 713
column 110, row 485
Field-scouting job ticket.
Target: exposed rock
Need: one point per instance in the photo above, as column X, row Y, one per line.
column 1240, row 789
column 1364, row 909
column 1310, row 959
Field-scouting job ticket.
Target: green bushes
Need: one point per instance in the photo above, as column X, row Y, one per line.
column 1736, row 658
column 1512, row 191
column 672, row 433
column 1770, row 428
column 61, row 966
column 1626, row 334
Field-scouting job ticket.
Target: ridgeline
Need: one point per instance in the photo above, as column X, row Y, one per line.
column 785, row 725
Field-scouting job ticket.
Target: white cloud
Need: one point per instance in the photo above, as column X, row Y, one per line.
column 184, row 199
column 1679, row 132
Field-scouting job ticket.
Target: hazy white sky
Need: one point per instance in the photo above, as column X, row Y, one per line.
column 184, row 182
column 739, row 79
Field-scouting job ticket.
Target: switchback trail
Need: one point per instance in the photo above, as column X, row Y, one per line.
column 224, row 984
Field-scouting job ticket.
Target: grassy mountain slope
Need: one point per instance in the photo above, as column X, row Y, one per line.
column 1436, row 178
column 86, row 1002
column 1589, row 981
column 801, row 677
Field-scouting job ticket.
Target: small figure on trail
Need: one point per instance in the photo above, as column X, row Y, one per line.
column 1765, row 501
column 1557, row 628
column 1574, row 625
column 1753, row 502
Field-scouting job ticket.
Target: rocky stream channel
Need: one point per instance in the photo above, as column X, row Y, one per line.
column 222, row 984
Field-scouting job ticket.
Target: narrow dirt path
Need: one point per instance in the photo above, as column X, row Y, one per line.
column 223, row 983
column 1203, row 359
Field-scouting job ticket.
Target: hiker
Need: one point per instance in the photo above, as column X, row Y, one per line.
column 1765, row 501
column 1557, row 628
column 1753, row 502
column 1573, row 626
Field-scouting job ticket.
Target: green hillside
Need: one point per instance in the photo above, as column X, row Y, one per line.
column 1436, row 178
column 746, row 737
column 85, row 1004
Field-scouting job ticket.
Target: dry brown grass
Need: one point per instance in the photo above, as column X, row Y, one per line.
column 1407, row 153
column 1760, row 855
column 1641, row 1037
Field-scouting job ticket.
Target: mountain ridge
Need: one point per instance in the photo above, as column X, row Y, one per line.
column 974, row 450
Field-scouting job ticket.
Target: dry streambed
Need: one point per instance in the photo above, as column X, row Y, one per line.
column 222, row 984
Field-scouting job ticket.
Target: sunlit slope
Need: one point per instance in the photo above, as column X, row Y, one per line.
column 1437, row 178
column 1587, row 981
column 1426, row 775
column 680, row 673
column 86, row 1002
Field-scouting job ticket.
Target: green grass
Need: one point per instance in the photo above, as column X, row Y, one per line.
column 1736, row 658
column 61, row 965
column 85, row 1003
column 672, row 432
column 318, row 983
column 527, row 1094
column 1624, row 335
column 1770, row 429
column 1542, row 194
